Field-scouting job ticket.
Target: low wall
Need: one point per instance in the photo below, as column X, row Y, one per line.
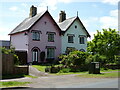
column 21, row 70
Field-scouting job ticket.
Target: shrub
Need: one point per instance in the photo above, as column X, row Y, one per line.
column 75, row 58
column 64, row 70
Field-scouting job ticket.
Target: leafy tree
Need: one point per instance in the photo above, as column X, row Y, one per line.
column 106, row 43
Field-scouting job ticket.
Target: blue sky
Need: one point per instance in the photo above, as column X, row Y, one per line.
column 95, row 14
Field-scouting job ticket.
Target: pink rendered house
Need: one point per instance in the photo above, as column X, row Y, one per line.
column 39, row 36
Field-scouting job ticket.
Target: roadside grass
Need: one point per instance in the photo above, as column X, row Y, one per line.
column 109, row 70
column 70, row 73
column 30, row 76
column 102, row 75
column 17, row 76
column 13, row 83
column 40, row 67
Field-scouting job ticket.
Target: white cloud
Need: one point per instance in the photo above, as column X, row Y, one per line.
column 87, row 22
column 112, row 2
column 24, row 4
column 13, row 8
column 114, row 13
column 52, row 5
column 110, row 21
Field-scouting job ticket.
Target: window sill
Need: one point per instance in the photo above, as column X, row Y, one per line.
column 35, row 40
column 70, row 42
column 50, row 41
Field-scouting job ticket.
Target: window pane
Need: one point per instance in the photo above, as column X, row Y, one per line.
column 70, row 39
column 35, row 35
column 50, row 53
column 35, row 55
column 51, row 37
column 82, row 40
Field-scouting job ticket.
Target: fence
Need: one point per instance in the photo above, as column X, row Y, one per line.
column 9, row 68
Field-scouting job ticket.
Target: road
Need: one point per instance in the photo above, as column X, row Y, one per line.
column 103, row 84
column 69, row 81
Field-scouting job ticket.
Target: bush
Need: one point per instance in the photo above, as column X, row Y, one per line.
column 64, row 70
column 52, row 69
column 74, row 58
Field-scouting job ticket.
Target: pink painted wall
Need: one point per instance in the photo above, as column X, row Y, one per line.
column 50, row 26
column 19, row 41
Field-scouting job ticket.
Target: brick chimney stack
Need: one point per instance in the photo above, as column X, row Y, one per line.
column 62, row 16
column 33, row 11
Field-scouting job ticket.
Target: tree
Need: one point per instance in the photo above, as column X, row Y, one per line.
column 105, row 43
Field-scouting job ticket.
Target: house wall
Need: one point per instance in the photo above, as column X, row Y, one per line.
column 44, row 28
column 76, row 31
column 19, row 41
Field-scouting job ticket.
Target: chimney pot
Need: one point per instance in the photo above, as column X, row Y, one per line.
column 62, row 16
column 33, row 11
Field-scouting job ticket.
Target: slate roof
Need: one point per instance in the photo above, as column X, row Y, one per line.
column 64, row 26
column 27, row 23
column 30, row 21
column 66, row 23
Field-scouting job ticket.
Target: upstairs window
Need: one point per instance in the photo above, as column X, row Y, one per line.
column 70, row 38
column 36, row 35
column 51, row 36
column 82, row 39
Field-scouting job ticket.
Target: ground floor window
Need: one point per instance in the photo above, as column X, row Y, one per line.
column 50, row 53
column 35, row 55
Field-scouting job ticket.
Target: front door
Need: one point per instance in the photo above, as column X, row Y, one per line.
column 42, row 56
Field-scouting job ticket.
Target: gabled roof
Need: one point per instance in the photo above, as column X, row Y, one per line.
column 29, row 22
column 65, row 25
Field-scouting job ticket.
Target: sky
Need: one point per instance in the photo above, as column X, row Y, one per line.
column 94, row 14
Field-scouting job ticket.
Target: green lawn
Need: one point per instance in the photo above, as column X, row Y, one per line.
column 102, row 75
column 13, row 83
column 85, row 74
column 40, row 67
column 17, row 76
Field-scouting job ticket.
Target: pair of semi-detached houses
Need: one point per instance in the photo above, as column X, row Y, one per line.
column 43, row 39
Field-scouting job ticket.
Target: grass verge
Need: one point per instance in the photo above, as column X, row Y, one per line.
column 17, row 76
column 40, row 67
column 102, row 75
column 13, row 83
